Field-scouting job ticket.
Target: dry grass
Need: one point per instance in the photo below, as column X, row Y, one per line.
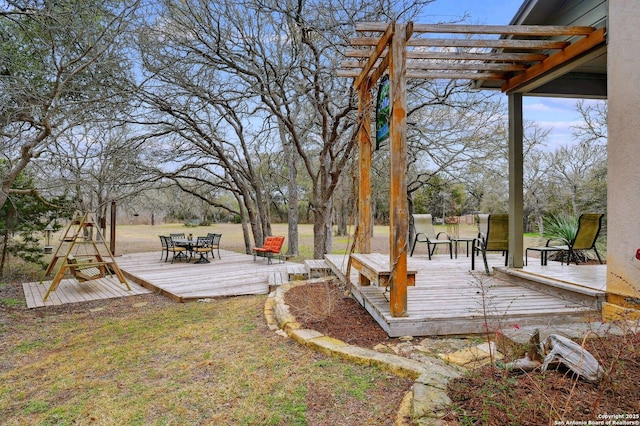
column 145, row 360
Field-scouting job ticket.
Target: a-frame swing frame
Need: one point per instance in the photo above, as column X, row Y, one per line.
column 94, row 262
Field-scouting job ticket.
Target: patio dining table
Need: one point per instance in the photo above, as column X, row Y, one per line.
column 190, row 244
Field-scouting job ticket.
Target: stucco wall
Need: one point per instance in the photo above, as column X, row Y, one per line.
column 623, row 205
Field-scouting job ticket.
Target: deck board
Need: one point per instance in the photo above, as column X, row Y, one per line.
column 447, row 298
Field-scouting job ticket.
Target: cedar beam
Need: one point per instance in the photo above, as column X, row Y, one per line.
column 520, row 30
column 579, row 47
column 399, row 221
column 470, row 43
column 380, row 47
column 364, row 166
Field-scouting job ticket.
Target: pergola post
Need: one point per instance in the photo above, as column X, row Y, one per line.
column 516, row 197
column 399, row 221
column 364, row 166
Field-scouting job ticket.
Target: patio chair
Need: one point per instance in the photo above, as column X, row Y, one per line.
column 178, row 236
column 425, row 233
column 203, row 248
column 215, row 243
column 179, row 252
column 271, row 247
column 493, row 236
column 165, row 248
column 589, row 225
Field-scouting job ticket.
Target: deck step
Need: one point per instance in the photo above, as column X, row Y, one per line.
column 317, row 268
column 278, row 278
column 585, row 296
column 297, row 272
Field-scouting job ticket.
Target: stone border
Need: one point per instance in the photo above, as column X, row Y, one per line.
column 425, row 404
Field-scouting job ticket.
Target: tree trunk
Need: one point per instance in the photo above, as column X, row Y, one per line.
column 245, row 225
column 322, row 238
column 5, row 246
column 292, row 195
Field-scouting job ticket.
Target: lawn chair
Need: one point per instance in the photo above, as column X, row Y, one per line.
column 203, row 248
column 493, row 236
column 215, row 243
column 272, row 247
column 179, row 252
column 589, row 225
column 425, row 233
column 165, row 248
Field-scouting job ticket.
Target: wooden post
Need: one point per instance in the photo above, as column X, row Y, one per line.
column 399, row 220
column 364, row 166
column 112, row 238
column 516, row 197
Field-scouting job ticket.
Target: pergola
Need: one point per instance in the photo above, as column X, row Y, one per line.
column 508, row 57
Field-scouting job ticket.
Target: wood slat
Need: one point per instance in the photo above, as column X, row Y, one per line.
column 234, row 274
column 521, row 30
column 469, row 43
column 71, row 291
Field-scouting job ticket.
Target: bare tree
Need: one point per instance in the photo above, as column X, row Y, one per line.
column 94, row 165
column 276, row 63
column 61, row 65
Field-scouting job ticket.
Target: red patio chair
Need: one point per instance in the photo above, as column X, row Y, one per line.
column 272, row 247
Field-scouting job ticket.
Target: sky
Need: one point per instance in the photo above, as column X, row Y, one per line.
column 557, row 114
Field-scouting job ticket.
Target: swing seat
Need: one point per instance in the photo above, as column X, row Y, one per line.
column 85, row 271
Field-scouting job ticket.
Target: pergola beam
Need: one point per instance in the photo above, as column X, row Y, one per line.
column 518, row 30
column 574, row 50
column 380, row 46
column 458, row 56
column 471, row 43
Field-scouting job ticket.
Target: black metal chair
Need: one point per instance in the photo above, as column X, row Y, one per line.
column 165, row 248
column 203, row 248
column 215, row 243
column 179, row 252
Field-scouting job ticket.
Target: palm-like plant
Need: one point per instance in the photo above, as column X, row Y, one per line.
column 561, row 226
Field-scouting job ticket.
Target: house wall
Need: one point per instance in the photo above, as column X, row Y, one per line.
column 623, row 210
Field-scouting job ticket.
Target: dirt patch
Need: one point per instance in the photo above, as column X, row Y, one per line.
column 492, row 396
column 327, row 308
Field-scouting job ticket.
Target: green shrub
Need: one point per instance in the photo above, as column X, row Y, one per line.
column 561, row 226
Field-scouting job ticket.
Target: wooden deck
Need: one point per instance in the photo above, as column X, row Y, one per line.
column 448, row 299
column 71, row 291
column 234, row 274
